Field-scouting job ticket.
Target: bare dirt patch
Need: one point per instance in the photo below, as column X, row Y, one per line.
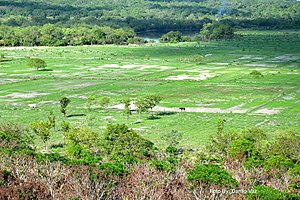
column 109, row 118
column 17, row 95
column 256, row 65
column 85, row 84
column 113, row 66
column 259, row 69
column 47, row 102
column 78, row 96
column 219, row 63
column 237, row 109
column 23, row 74
column 251, row 57
column 161, row 68
column 8, row 80
column 188, row 109
column 193, row 70
column 128, row 66
column 284, row 58
column 268, row 111
column 58, row 71
column 80, row 68
column 198, row 77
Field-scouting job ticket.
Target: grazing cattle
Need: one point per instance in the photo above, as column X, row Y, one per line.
column 182, row 109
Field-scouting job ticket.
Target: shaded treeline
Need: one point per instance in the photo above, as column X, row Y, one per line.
column 144, row 15
column 52, row 35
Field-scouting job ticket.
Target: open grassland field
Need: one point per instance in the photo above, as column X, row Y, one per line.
column 211, row 80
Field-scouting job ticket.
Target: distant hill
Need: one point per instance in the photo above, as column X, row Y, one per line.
column 151, row 14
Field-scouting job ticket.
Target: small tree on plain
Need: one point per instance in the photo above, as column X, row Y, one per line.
column 126, row 111
column 141, row 106
column 64, row 102
column 152, row 101
column 104, row 101
column 51, row 119
column 42, row 129
column 65, row 126
column 91, row 100
column 37, row 63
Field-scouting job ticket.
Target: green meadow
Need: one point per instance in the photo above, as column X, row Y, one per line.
column 211, row 80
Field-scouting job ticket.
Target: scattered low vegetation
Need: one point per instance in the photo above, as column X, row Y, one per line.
column 109, row 163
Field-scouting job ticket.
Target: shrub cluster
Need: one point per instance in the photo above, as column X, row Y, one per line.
column 120, row 164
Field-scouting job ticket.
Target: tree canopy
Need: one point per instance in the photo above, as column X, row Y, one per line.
column 37, row 63
column 216, row 31
column 150, row 14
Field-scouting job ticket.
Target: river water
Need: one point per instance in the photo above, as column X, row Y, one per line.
column 156, row 35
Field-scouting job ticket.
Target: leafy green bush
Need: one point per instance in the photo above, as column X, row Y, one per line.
column 295, row 171
column 122, row 141
column 254, row 134
column 171, row 150
column 221, row 140
column 37, row 63
column 265, row 192
column 278, row 162
column 286, row 144
column 256, row 74
column 5, row 137
column 83, row 137
column 172, row 36
column 243, row 147
column 81, row 154
column 251, row 163
column 104, row 102
column 53, row 157
column 15, row 137
column 211, row 174
column 167, row 165
column 115, row 168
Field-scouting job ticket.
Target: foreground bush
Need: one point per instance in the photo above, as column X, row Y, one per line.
column 23, row 175
column 15, row 137
column 124, row 165
column 264, row 192
column 211, row 174
column 121, row 141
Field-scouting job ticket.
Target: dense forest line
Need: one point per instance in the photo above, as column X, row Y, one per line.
column 52, row 35
column 151, row 14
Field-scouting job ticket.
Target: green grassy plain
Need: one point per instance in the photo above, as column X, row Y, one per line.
column 214, row 76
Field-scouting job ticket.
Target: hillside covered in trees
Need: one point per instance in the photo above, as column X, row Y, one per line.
column 143, row 15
